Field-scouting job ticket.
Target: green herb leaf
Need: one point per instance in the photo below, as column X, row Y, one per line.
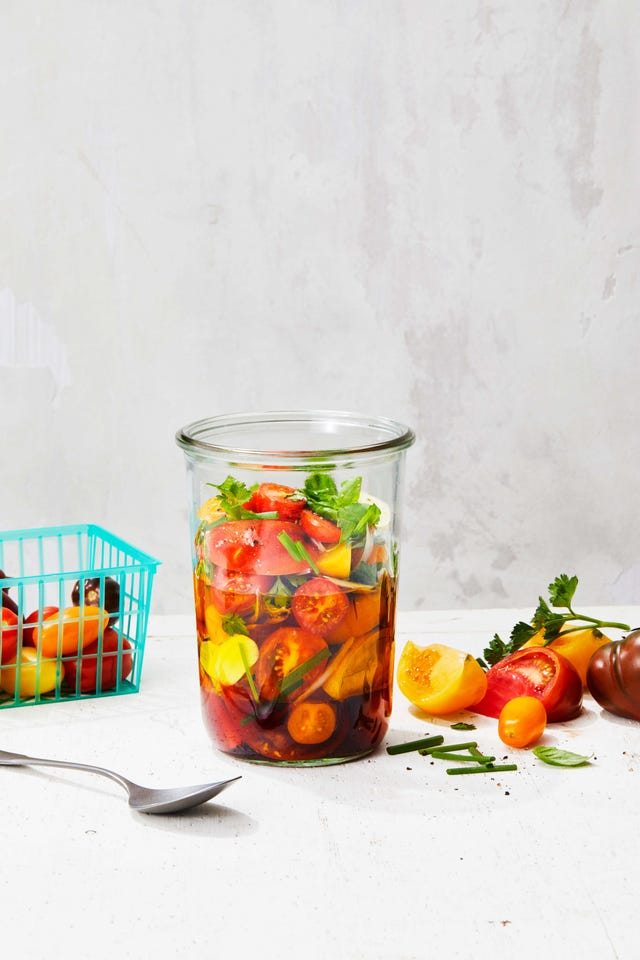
column 297, row 550
column 232, row 624
column 233, row 495
column 294, row 678
column 341, row 506
column 560, row 758
column 463, row 726
column 561, row 591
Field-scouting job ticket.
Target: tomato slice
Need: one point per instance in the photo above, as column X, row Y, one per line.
column 252, row 546
column 319, row 527
column 236, row 592
column 283, row 651
column 8, row 634
column 311, row 722
column 287, row 502
column 319, row 606
column 535, row 672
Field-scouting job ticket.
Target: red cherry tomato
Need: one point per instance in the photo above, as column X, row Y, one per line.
column 235, row 592
column 319, row 527
column 35, row 617
column 286, row 501
column 283, row 651
column 534, row 672
column 108, row 663
column 8, row 634
column 252, row 546
column 319, row 606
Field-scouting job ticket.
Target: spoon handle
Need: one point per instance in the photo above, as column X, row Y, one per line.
column 21, row 759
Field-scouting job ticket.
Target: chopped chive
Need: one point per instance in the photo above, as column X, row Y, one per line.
column 247, row 670
column 296, row 550
column 465, row 758
column 482, row 768
column 452, row 747
column 415, row 745
column 294, row 677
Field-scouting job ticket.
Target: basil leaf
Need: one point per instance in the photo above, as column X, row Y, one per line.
column 560, row 758
column 463, row 726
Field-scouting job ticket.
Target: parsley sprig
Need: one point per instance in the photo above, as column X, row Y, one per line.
column 341, row 505
column 551, row 621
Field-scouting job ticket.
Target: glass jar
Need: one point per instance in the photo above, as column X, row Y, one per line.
column 295, row 521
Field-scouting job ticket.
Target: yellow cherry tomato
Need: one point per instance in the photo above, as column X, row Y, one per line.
column 36, row 676
column 440, row 679
column 522, row 721
column 578, row 646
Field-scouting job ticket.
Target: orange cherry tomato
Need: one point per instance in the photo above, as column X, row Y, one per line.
column 522, row 721
column 311, row 722
column 34, row 618
column 70, row 630
column 440, row 679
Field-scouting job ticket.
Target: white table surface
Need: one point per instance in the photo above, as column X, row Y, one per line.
column 386, row 858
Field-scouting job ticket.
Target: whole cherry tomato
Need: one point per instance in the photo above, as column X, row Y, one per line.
column 535, row 672
column 8, row 634
column 35, row 617
column 319, row 605
column 90, row 660
column 522, row 721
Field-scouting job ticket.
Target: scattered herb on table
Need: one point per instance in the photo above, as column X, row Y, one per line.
column 560, row 758
column 463, row 726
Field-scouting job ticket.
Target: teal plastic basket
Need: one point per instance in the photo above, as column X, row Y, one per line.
column 48, row 658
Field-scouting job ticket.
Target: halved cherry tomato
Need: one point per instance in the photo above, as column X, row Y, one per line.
column 90, row 658
column 440, row 679
column 365, row 612
column 236, row 592
column 319, row 605
column 536, row 672
column 283, row 651
column 319, row 527
column 8, row 634
column 287, row 502
column 70, row 630
column 522, row 721
column 35, row 617
column 311, row 722
column 252, row 546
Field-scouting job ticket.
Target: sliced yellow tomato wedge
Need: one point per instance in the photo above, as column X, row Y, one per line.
column 336, row 562
column 440, row 679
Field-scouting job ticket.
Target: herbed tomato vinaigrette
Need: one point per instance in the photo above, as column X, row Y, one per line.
column 295, row 634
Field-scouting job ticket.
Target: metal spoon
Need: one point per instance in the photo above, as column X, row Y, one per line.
column 142, row 799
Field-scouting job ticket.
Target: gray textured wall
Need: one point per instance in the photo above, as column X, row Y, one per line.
column 425, row 210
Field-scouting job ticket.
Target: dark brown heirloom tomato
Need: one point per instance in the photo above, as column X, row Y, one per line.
column 613, row 676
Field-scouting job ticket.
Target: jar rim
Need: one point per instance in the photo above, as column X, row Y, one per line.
column 391, row 436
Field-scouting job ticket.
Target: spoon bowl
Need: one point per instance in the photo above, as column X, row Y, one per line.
column 142, row 799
